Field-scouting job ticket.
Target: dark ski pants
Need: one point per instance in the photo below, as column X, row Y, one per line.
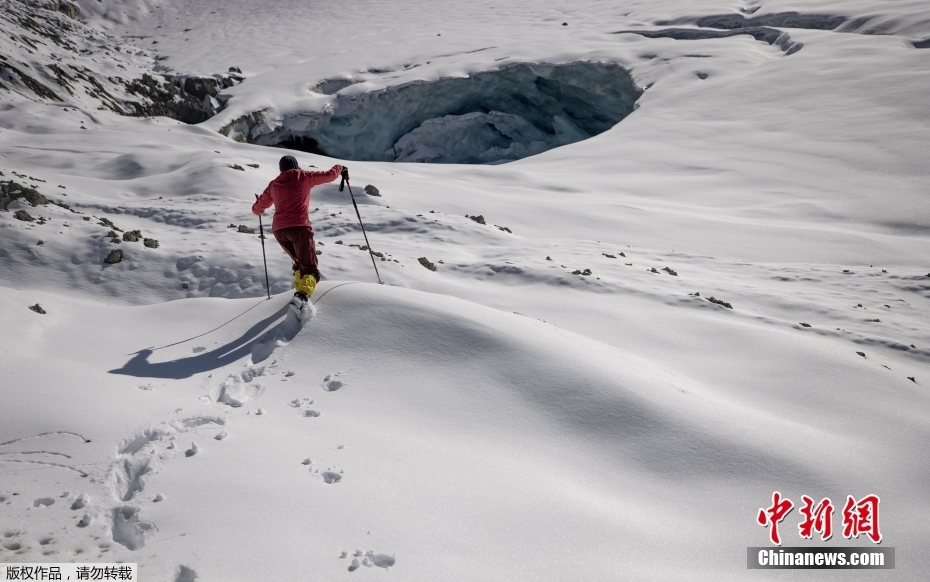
column 297, row 242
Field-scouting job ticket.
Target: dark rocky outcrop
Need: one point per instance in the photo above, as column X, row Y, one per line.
column 11, row 190
column 161, row 97
column 713, row 299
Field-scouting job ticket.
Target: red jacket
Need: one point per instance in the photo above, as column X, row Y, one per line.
column 290, row 194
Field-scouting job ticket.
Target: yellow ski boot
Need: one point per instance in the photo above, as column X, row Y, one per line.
column 305, row 284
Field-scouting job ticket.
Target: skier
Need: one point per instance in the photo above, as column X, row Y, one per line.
column 290, row 195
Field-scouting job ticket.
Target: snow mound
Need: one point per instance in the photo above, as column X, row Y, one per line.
column 506, row 114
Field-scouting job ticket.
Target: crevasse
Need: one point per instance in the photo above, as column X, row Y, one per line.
column 487, row 117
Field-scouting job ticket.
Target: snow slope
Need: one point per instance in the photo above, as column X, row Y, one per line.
column 504, row 416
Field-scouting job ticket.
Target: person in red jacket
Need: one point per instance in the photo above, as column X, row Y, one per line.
column 290, row 195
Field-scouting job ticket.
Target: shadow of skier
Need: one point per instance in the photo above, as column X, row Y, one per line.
column 252, row 343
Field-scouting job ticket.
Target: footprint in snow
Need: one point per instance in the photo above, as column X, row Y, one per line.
column 297, row 402
column 239, row 389
column 370, row 559
column 331, row 477
column 331, row 383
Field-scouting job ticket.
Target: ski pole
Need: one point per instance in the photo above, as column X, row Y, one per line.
column 261, row 235
column 345, row 180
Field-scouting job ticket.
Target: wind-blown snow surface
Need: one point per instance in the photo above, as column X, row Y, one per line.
column 500, row 417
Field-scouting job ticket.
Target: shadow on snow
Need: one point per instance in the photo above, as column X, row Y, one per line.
column 259, row 346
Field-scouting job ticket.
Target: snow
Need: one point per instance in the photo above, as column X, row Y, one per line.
column 499, row 417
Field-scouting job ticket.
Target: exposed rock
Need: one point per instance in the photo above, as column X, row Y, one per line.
column 23, row 215
column 425, row 262
column 372, row 191
column 37, row 308
column 804, row 324
column 40, row 89
column 150, row 243
column 245, row 229
column 237, row 167
column 69, row 9
column 106, row 222
column 187, row 98
column 479, row 219
column 712, row 299
column 114, row 257
column 65, row 206
column 11, row 190
column 132, row 236
column 670, row 271
column 162, row 97
column 202, row 87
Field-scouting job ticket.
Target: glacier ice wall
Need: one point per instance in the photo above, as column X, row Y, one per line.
column 489, row 116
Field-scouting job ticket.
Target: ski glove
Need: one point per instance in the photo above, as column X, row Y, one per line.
column 345, row 173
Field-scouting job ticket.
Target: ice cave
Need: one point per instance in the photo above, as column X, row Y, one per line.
column 487, row 117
